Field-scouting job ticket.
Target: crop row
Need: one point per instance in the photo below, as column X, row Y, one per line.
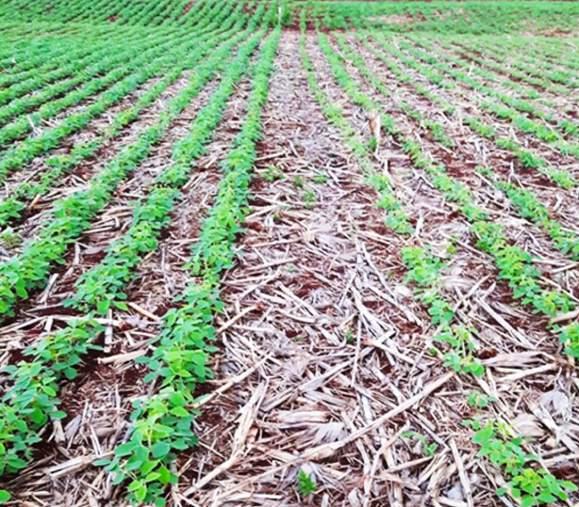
column 162, row 424
column 459, row 70
column 397, row 219
column 32, row 147
column 78, row 10
column 499, row 104
column 526, row 157
column 514, row 264
column 19, row 64
column 512, row 74
column 549, row 51
column 487, row 76
column 17, row 83
column 136, row 13
column 48, row 52
column 468, row 18
column 518, row 68
column 137, row 56
column 72, row 214
column 525, row 201
column 14, row 204
column 103, row 286
column 19, row 107
column 496, row 440
column 66, row 347
column 65, row 60
column 537, row 63
column 546, row 104
column 85, row 66
column 423, row 267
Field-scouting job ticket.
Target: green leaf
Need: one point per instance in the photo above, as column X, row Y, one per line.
column 306, row 484
column 165, row 475
column 121, row 306
column 138, row 489
column 546, row 497
column 180, row 412
column 103, row 307
column 125, row 449
column 160, row 450
column 59, row 414
column 4, row 496
column 528, row 501
column 153, row 476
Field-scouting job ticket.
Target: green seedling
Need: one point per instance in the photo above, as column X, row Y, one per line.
column 306, row 484
column 529, row 485
column 476, row 399
column 310, row 198
column 320, row 179
column 428, row 448
column 10, row 239
column 298, row 182
column 272, row 173
column 349, row 336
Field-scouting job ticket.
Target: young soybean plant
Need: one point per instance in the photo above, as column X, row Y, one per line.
column 33, row 400
column 162, row 424
column 529, row 485
column 306, row 484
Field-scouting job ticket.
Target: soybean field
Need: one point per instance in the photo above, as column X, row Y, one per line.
column 288, row 253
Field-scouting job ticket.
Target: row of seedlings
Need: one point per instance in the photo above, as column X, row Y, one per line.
column 15, row 203
column 515, row 265
column 139, row 56
column 17, row 156
column 523, row 200
column 525, row 101
column 504, row 106
column 73, row 214
column 524, row 481
column 33, row 401
column 162, row 424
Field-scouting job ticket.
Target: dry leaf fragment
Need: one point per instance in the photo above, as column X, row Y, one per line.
column 557, row 403
column 293, row 418
column 329, row 432
column 528, row 425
